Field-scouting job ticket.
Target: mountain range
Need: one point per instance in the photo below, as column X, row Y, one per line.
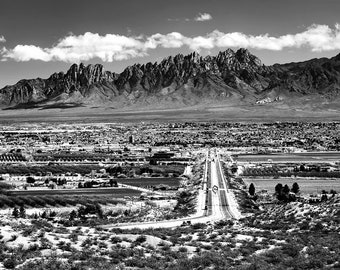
column 231, row 77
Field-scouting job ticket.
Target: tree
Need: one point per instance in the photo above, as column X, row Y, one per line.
column 53, row 214
column 140, row 239
column 15, row 212
column 333, row 192
column 44, row 214
column 82, row 212
column 295, row 188
column 286, row 189
column 99, row 210
column 278, row 189
column 73, row 215
column 30, row 180
column 113, row 183
column 252, row 189
column 22, row 211
column 88, row 184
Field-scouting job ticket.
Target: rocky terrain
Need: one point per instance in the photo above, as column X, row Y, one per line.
column 292, row 235
column 228, row 78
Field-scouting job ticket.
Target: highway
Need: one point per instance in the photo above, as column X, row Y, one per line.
column 215, row 201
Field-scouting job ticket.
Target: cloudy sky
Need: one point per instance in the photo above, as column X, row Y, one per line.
column 39, row 37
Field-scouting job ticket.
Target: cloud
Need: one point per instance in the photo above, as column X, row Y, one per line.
column 22, row 53
column 113, row 47
column 171, row 40
column 74, row 48
column 2, row 39
column 201, row 17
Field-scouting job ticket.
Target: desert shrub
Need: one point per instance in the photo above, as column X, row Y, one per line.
column 10, row 263
column 73, row 237
column 51, row 263
column 166, row 248
column 186, row 238
column 64, row 246
column 42, row 224
column 28, row 230
column 182, row 249
column 115, row 240
column 13, row 237
column 198, row 226
column 140, row 239
column 102, row 245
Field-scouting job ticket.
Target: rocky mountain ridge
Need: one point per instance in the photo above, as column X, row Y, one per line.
column 187, row 80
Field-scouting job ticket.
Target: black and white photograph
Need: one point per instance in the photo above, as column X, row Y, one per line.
column 169, row 134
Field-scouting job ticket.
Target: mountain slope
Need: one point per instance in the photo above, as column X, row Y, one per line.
column 230, row 77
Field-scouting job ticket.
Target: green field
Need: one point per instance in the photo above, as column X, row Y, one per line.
column 152, row 181
column 55, row 200
column 307, row 186
column 290, row 158
column 113, row 192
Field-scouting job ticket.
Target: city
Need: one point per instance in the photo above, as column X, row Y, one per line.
column 110, row 188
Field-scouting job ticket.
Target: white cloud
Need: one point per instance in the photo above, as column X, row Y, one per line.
column 201, row 17
column 198, row 43
column 171, row 40
column 2, row 39
column 111, row 47
column 81, row 48
column 22, row 53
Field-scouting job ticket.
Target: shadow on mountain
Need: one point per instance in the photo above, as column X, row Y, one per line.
column 61, row 106
column 40, row 106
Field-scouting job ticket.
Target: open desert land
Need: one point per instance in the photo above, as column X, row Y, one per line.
column 211, row 112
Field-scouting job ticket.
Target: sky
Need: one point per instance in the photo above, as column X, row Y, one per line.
column 40, row 37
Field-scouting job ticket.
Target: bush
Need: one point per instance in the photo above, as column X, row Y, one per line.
column 140, row 239
column 115, row 240
column 183, row 249
column 10, row 263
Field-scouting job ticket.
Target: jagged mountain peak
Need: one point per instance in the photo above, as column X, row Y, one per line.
column 186, row 79
column 244, row 56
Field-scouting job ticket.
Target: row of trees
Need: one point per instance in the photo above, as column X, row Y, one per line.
column 59, row 182
column 84, row 211
column 21, row 212
column 286, row 194
column 283, row 193
column 91, row 184
column 48, row 169
column 301, row 172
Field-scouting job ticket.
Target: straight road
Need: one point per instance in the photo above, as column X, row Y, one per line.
column 221, row 204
